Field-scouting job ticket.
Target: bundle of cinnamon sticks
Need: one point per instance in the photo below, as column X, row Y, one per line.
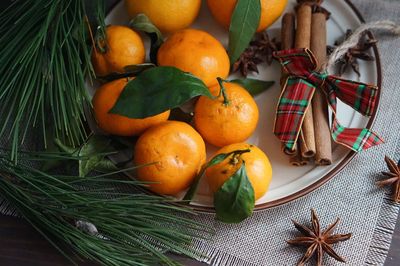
column 314, row 141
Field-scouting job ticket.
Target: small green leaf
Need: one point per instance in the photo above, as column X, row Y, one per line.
column 142, row 23
column 234, row 201
column 105, row 165
column 130, row 71
column 193, row 188
column 254, row 86
column 219, row 158
column 157, row 90
column 93, row 155
column 244, row 23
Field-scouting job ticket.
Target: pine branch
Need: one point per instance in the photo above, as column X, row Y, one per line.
column 131, row 228
column 44, row 64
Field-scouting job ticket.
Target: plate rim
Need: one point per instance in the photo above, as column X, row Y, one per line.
column 328, row 176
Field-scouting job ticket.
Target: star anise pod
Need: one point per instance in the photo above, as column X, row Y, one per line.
column 393, row 178
column 259, row 50
column 248, row 61
column 360, row 51
column 266, row 46
column 317, row 241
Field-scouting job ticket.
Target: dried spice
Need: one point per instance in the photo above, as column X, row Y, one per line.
column 318, row 241
column 360, row 51
column 248, row 61
column 260, row 50
column 393, row 178
column 266, row 46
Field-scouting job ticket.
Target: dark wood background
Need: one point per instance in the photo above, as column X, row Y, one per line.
column 20, row 245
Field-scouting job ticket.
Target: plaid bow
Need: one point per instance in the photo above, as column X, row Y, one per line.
column 300, row 64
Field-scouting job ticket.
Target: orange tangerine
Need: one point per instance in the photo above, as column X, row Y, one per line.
column 178, row 153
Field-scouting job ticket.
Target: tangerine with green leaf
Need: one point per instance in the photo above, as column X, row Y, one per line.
column 229, row 118
column 174, row 154
column 271, row 10
column 122, row 47
column 258, row 168
column 197, row 52
column 105, row 98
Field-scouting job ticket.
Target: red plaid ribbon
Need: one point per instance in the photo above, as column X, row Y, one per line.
column 300, row 64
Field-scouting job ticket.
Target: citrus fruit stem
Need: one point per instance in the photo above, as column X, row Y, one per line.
column 240, row 152
column 223, row 91
column 101, row 44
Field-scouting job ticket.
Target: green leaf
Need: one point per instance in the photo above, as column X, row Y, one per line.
column 193, row 188
column 219, row 158
column 254, row 86
column 105, row 165
column 157, row 90
column 93, row 155
column 130, row 71
column 234, row 201
column 142, row 23
column 244, row 23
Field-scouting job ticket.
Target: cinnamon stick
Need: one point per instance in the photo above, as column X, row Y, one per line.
column 297, row 159
column 303, row 39
column 322, row 132
column 288, row 32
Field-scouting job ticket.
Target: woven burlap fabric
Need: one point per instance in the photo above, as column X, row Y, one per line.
column 352, row 195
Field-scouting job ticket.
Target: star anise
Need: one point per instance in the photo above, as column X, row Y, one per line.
column 248, row 61
column 318, row 241
column 259, row 50
column 266, row 46
column 360, row 51
column 393, row 178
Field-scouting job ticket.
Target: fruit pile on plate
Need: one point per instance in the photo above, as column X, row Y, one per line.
column 172, row 154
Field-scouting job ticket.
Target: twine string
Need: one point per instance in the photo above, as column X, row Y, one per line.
column 353, row 40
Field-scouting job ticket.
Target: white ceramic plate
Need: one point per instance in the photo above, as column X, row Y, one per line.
column 288, row 182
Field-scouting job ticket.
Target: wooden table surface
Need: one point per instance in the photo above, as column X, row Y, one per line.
column 20, row 245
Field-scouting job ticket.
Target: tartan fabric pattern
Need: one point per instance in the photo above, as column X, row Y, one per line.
column 292, row 106
column 297, row 93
